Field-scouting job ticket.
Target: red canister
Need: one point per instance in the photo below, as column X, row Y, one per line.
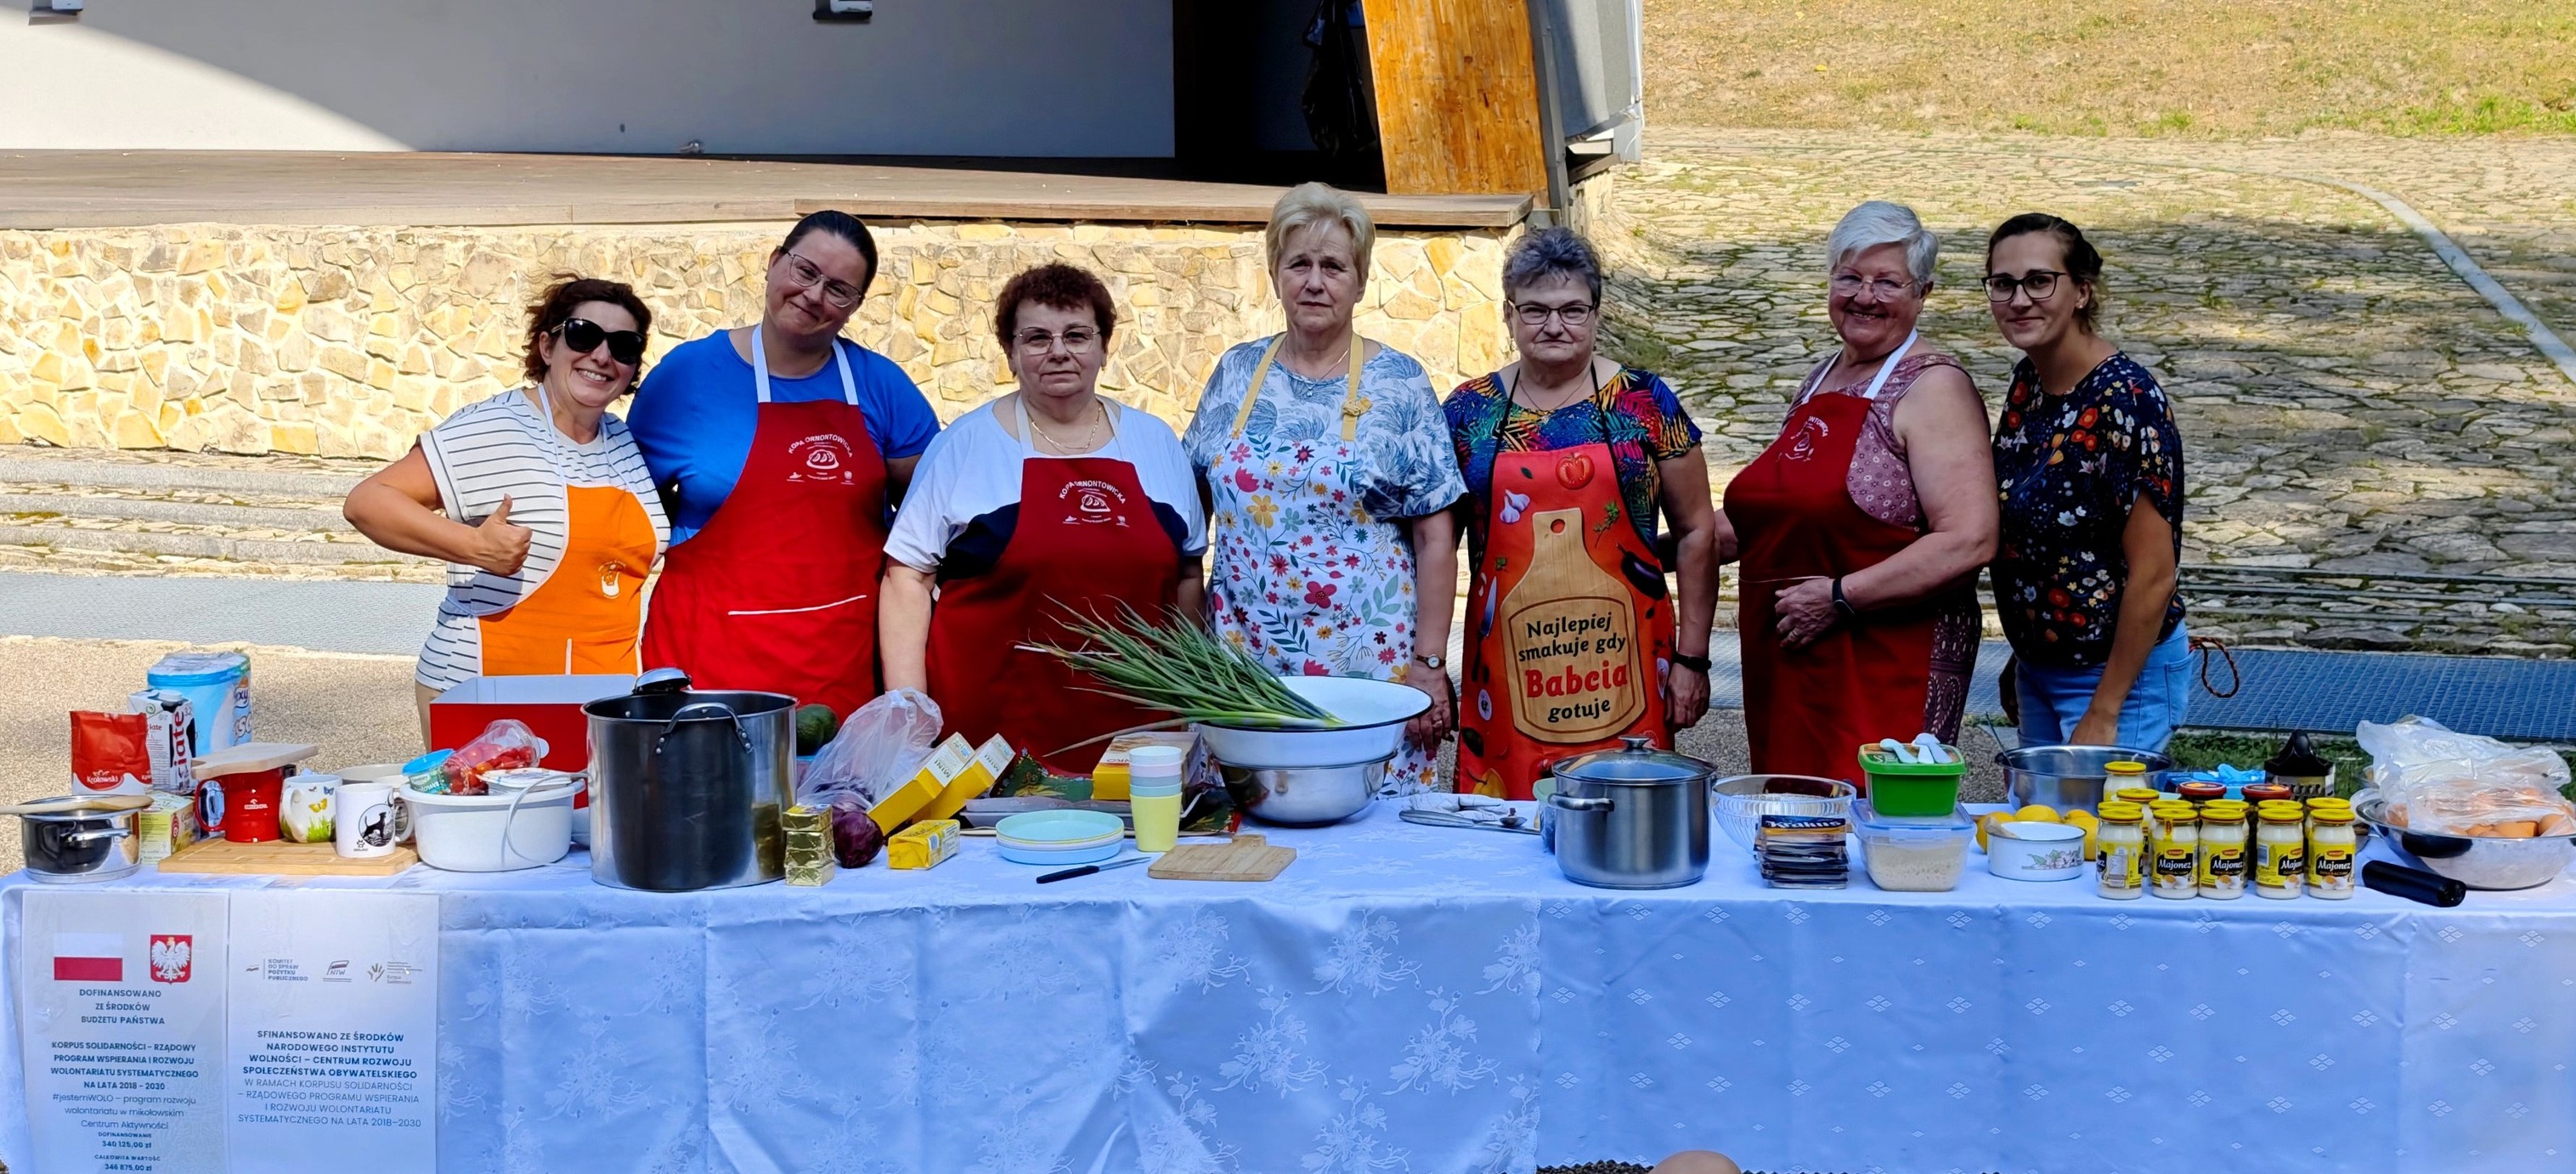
column 250, row 805
column 2265, row 792
column 2197, row 792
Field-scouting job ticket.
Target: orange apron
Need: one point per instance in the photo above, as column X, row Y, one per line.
column 588, row 615
column 1569, row 625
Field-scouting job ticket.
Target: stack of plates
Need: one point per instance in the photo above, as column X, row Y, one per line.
column 1803, row 851
column 1061, row 837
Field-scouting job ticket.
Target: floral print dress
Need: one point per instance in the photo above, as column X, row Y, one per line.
column 1310, row 562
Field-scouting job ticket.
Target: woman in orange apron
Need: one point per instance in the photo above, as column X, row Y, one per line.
column 1047, row 503
column 538, row 501
column 1863, row 525
column 1574, row 639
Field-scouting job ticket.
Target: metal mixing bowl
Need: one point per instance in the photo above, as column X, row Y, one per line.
column 2480, row 862
column 2070, row 777
column 1304, row 796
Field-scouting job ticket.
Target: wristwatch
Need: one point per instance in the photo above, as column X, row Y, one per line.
column 1697, row 664
column 1841, row 604
column 1435, row 663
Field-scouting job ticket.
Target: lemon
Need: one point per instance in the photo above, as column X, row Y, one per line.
column 2081, row 816
column 2037, row 813
column 1986, row 822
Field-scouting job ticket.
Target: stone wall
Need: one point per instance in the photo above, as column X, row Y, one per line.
column 350, row 341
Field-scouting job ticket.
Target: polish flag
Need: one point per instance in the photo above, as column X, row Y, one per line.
column 89, row 957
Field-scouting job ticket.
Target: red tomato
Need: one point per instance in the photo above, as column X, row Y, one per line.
column 1574, row 472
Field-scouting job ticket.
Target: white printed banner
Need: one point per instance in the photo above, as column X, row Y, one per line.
column 122, row 1029
column 334, row 1038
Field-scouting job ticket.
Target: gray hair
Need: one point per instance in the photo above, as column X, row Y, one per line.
column 1881, row 223
column 1310, row 204
column 1550, row 253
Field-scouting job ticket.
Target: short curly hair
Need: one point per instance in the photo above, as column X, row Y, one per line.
column 1056, row 285
column 568, row 293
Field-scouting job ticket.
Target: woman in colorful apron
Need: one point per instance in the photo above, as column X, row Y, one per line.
column 1863, row 525
column 1328, row 477
column 539, row 503
column 781, row 447
column 1574, row 638
column 1048, row 503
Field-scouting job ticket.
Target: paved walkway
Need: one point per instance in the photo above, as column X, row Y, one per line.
column 318, row 615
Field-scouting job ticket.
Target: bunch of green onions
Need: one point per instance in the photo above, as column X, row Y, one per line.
column 1179, row 667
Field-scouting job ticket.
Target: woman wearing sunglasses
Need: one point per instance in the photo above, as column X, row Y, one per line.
column 2091, row 470
column 539, row 503
column 780, row 447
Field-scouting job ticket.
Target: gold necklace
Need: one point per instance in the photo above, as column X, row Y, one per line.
column 1090, row 434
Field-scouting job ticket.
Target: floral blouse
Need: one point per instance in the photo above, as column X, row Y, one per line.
column 2069, row 467
column 1311, row 567
column 1644, row 420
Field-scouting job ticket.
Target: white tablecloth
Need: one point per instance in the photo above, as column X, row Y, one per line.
column 1419, row 999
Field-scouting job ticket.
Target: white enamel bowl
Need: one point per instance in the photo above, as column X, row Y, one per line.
column 1373, row 713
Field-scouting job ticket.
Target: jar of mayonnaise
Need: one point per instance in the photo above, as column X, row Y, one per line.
column 2173, row 856
column 2331, row 848
column 2280, row 850
column 2122, row 846
column 2222, row 849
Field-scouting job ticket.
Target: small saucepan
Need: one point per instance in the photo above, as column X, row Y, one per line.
column 73, row 846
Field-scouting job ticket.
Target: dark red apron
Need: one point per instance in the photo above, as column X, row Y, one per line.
column 1086, row 540
column 779, row 592
column 1808, row 712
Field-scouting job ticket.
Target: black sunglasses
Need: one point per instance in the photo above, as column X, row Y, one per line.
column 584, row 336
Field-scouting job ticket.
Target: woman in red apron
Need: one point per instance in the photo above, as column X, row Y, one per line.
column 781, row 446
column 1571, row 628
column 1863, row 525
column 1046, row 503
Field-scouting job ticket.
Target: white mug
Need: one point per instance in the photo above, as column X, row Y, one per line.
column 371, row 818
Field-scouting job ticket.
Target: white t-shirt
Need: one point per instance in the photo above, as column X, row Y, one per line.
column 972, row 469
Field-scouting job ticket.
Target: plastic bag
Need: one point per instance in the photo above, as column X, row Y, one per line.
column 507, row 744
column 878, row 749
column 2431, row 779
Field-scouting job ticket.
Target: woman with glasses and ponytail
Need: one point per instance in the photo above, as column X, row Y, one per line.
column 1050, row 503
column 538, row 502
column 1863, row 525
column 1574, row 638
column 2090, row 465
column 781, row 447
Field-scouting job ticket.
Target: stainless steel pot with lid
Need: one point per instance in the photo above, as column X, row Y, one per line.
column 73, row 846
column 686, row 785
column 1631, row 818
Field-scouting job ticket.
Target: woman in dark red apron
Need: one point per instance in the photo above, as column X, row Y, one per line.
column 1047, row 503
column 1863, row 525
column 787, row 482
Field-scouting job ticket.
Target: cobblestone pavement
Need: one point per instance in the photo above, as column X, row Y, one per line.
column 2350, row 406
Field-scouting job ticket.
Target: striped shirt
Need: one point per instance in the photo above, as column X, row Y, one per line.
column 506, row 447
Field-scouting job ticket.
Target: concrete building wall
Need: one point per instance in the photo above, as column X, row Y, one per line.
column 935, row 77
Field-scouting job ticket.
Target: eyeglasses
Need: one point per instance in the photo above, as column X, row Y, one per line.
column 1881, row 288
column 584, row 336
column 1575, row 314
column 2038, row 283
column 804, row 274
column 1077, row 340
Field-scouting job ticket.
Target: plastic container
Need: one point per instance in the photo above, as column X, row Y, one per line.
column 1920, row 789
column 217, row 686
column 1913, row 854
column 482, row 833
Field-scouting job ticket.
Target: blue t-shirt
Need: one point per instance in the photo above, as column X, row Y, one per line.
column 695, row 415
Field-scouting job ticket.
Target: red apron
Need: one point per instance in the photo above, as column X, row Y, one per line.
column 1808, row 712
column 1569, row 625
column 779, row 592
column 1087, row 540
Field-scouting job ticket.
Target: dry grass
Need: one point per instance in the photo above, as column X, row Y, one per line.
column 2209, row 68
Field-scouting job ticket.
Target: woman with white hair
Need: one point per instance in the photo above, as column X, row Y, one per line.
column 1862, row 527
column 1573, row 640
column 1325, row 466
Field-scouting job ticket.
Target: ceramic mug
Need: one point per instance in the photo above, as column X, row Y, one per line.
column 370, row 818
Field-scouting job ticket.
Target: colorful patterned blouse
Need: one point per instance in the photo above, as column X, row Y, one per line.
column 1645, row 420
column 2069, row 467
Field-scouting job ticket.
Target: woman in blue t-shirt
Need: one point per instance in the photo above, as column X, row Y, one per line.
column 2090, row 467
column 779, row 449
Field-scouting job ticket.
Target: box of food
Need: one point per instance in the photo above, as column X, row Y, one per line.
column 923, row 845
column 166, row 827
column 947, row 761
column 987, row 765
column 171, row 720
column 1110, row 779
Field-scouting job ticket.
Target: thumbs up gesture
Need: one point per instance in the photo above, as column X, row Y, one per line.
column 500, row 547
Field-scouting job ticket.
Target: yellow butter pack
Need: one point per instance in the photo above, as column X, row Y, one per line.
column 923, row 845
column 937, row 771
column 981, row 770
column 1110, row 781
column 808, row 832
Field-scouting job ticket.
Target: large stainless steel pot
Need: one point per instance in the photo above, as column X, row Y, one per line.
column 74, row 846
column 1632, row 818
column 686, row 786
column 2069, row 777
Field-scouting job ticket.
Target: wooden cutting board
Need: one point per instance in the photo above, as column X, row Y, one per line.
column 1246, row 857
column 223, row 857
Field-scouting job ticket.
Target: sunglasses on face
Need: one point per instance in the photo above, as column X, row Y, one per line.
column 584, row 336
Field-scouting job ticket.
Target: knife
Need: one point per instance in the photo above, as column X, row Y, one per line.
column 1088, row 869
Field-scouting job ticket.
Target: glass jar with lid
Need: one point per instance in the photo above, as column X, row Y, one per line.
column 2223, row 856
column 2120, row 866
column 2173, row 856
column 2280, row 850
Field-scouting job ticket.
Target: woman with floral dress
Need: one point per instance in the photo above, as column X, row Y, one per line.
column 1327, row 473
